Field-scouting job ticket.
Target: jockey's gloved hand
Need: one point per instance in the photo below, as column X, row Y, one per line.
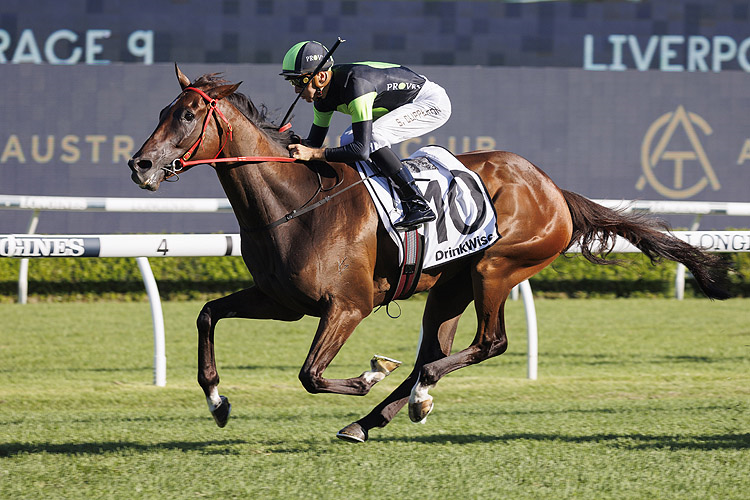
column 299, row 140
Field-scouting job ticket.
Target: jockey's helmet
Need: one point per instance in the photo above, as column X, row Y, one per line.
column 303, row 58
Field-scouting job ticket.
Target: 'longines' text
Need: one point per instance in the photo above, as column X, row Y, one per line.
column 41, row 247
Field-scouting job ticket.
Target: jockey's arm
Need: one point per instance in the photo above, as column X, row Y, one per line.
column 358, row 149
column 316, row 136
column 360, row 109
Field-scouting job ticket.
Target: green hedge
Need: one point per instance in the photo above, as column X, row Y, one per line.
column 120, row 279
column 210, row 277
column 573, row 276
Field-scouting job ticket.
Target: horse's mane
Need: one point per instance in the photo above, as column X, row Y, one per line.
column 256, row 115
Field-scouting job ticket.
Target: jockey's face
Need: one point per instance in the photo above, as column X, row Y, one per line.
column 312, row 89
column 308, row 91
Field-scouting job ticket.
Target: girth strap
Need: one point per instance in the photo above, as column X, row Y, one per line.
column 411, row 269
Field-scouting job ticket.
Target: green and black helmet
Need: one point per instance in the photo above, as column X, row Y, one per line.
column 303, row 58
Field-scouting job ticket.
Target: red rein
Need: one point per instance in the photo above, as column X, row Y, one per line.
column 185, row 161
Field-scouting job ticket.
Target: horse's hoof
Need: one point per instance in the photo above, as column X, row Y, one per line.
column 419, row 410
column 221, row 412
column 354, row 433
column 383, row 364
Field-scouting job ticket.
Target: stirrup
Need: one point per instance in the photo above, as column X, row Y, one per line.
column 415, row 217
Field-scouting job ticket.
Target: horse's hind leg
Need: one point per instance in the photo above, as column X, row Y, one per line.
column 249, row 303
column 492, row 279
column 443, row 309
column 490, row 340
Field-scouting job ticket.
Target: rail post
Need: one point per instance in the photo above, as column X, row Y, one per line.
column 157, row 318
column 23, row 267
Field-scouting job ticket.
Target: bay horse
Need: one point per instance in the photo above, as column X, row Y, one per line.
column 338, row 263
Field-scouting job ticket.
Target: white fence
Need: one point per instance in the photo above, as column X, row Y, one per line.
column 141, row 247
column 668, row 207
column 71, row 204
column 221, row 205
column 697, row 208
column 710, row 241
column 174, row 245
column 210, row 245
column 38, row 204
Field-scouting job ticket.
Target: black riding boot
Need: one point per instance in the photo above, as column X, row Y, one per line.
column 416, row 209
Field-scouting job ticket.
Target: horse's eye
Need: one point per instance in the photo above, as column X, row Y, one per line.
column 189, row 116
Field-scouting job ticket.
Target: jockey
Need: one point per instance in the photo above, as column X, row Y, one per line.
column 388, row 104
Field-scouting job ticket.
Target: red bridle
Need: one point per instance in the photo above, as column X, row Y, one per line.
column 180, row 163
column 212, row 106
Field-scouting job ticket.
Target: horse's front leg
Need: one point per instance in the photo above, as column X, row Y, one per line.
column 249, row 303
column 337, row 323
column 443, row 309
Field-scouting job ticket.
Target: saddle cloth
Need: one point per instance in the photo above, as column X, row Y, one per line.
column 466, row 220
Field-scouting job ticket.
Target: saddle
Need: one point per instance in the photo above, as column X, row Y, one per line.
column 466, row 220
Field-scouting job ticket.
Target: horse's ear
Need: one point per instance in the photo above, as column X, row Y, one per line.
column 184, row 81
column 222, row 91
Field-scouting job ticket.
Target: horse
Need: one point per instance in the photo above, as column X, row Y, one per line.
column 314, row 245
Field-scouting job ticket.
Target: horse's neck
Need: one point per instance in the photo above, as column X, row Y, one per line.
column 261, row 193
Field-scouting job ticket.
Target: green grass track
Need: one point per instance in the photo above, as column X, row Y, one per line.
column 636, row 399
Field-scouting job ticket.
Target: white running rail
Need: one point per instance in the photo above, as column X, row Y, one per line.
column 209, row 245
column 143, row 246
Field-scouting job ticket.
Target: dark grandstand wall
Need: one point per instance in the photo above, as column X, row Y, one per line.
column 596, row 123
column 426, row 32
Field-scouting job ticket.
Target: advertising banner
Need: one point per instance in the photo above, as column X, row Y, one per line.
column 70, row 130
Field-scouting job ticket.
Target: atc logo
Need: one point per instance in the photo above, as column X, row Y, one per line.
column 672, row 157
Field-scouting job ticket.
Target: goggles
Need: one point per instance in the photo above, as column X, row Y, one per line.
column 299, row 81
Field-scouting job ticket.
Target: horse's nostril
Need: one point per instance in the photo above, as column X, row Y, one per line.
column 143, row 165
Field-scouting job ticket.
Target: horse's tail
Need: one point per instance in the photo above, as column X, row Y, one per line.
column 595, row 228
